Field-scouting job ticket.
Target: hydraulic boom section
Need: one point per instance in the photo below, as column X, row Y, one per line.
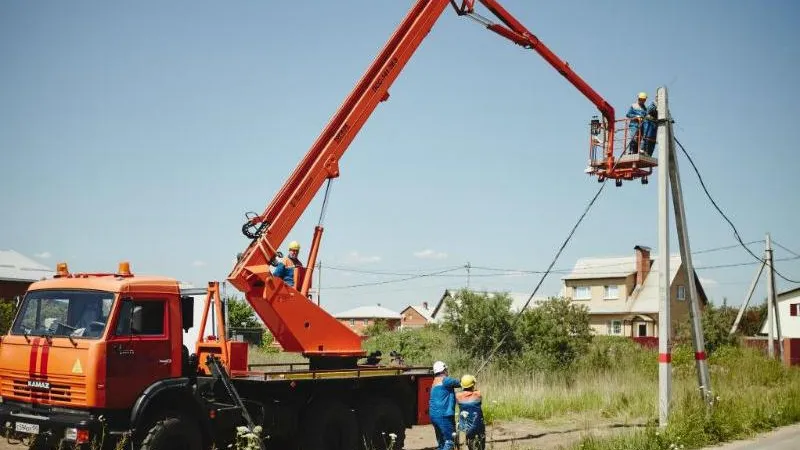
column 297, row 323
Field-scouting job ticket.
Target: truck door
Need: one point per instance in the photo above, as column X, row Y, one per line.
column 138, row 352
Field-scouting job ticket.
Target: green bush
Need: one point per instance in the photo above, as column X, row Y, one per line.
column 7, row 310
column 482, row 323
column 555, row 334
column 419, row 346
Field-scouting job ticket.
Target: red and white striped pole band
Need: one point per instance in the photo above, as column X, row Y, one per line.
column 665, row 357
column 699, row 356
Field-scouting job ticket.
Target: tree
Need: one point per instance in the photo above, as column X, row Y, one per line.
column 241, row 314
column 752, row 320
column 7, row 310
column 556, row 333
column 479, row 322
column 716, row 322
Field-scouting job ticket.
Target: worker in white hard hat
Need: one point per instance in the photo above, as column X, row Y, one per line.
column 470, row 415
column 636, row 114
column 285, row 269
column 442, row 406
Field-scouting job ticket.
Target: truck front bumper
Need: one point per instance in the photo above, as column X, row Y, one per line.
column 49, row 426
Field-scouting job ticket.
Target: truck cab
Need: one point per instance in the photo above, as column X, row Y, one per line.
column 84, row 347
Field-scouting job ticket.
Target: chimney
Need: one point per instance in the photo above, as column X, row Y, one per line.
column 642, row 263
column 425, row 306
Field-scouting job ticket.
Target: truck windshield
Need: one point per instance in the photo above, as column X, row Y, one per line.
column 65, row 313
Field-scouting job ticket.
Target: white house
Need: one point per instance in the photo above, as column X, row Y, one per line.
column 788, row 314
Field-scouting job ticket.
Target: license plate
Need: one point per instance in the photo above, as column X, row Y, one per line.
column 29, row 428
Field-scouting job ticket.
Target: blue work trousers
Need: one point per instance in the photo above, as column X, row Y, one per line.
column 444, row 427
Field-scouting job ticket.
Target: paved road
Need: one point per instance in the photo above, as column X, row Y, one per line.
column 786, row 438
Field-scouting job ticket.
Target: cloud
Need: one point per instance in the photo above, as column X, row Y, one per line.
column 708, row 282
column 430, row 254
column 43, row 255
column 356, row 258
column 198, row 263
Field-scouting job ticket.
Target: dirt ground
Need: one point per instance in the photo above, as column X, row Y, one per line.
column 517, row 435
column 527, row 434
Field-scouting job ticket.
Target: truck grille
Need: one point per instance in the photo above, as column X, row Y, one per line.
column 63, row 389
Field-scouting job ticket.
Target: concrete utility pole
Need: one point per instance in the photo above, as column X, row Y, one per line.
column 773, row 313
column 701, row 364
column 663, row 136
column 747, row 300
column 668, row 164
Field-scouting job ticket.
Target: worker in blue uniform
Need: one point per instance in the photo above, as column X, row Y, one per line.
column 285, row 269
column 649, row 128
column 442, row 406
column 470, row 416
column 636, row 114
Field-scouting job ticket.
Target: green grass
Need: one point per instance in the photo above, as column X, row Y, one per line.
column 616, row 381
column 752, row 395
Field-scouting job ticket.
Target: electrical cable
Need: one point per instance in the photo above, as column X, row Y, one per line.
column 719, row 210
column 781, row 246
column 544, row 275
column 376, row 283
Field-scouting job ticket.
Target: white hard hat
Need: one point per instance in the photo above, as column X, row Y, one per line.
column 439, row 367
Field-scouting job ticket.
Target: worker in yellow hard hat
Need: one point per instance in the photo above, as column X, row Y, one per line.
column 636, row 114
column 470, row 417
column 285, row 269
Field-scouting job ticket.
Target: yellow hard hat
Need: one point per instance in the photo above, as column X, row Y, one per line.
column 643, row 95
column 467, row 381
column 294, row 245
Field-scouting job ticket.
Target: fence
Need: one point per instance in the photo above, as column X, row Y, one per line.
column 253, row 336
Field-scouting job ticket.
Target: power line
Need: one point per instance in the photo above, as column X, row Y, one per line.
column 376, row 283
column 544, row 275
column 781, row 246
column 507, row 271
column 735, row 231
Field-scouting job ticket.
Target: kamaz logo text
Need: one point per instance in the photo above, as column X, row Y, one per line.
column 39, row 384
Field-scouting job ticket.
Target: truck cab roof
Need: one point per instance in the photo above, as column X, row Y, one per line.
column 111, row 283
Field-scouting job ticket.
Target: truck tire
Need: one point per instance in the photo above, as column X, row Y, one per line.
column 173, row 432
column 329, row 425
column 379, row 418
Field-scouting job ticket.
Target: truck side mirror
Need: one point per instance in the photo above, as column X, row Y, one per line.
column 187, row 312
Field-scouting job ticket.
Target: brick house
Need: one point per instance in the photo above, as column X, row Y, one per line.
column 621, row 293
column 17, row 272
column 416, row 316
column 358, row 319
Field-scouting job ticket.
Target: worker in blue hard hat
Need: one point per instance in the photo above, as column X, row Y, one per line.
column 285, row 269
column 442, row 406
column 470, row 419
column 636, row 114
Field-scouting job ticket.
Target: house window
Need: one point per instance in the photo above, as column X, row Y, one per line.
column 681, row 292
column 614, row 327
column 582, row 293
column 366, row 321
column 793, row 309
column 642, row 329
column 352, row 322
column 611, row 292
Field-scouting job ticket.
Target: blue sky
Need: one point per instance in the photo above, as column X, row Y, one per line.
column 143, row 131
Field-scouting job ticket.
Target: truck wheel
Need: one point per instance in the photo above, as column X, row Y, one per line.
column 329, row 425
column 380, row 419
column 173, row 432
